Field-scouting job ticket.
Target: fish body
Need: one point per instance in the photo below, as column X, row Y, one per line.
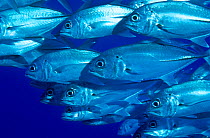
column 83, row 113
column 182, row 100
column 135, row 4
column 128, row 127
column 19, row 47
column 90, row 94
column 94, row 22
column 8, row 4
column 30, row 22
column 203, row 72
column 61, row 66
column 166, row 20
column 174, row 127
column 157, row 62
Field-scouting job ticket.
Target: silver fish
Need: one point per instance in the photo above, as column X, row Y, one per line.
column 90, row 94
column 52, row 94
column 157, row 62
column 7, row 4
column 83, row 113
column 203, row 72
column 174, row 127
column 19, row 47
column 30, row 22
column 166, row 20
column 135, row 4
column 182, row 100
column 94, row 22
column 62, row 66
column 128, row 127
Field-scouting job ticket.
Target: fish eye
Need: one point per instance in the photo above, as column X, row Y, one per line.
column 138, row 135
column 49, row 92
column 69, row 110
column 68, row 25
column 100, row 63
column 135, row 17
column 70, row 93
column 156, row 103
column 153, row 124
column 32, row 68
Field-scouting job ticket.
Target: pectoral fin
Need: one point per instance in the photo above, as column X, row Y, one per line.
column 13, row 4
column 206, row 133
column 169, row 79
column 161, row 27
column 66, row 5
column 200, row 40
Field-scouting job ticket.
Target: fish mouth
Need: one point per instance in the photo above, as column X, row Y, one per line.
column 30, row 76
column 65, row 34
column 67, row 102
column 156, row 113
column 94, row 73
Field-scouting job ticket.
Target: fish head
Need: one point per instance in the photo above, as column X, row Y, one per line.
column 141, row 21
column 74, row 95
column 74, row 113
column 155, row 127
column 39, row 70
column 71, row 28
column 52, row 94
column 128, row 127
column 107, row 66
column 163, row 105
column 47, row 96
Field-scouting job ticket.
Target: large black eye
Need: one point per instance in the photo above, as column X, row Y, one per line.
column 68, row 25
column 69, row 109
column 153, row 124
column 32, row 67
column 135, row 17
column 49, row 92
column 100, row 63
column 138, row 135
column 156, row 103
column 70, row 93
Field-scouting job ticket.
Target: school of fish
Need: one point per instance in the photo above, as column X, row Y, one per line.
column 157, row 87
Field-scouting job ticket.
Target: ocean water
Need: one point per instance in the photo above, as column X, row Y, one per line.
column 23, row 116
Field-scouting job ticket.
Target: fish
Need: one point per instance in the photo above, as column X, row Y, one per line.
column 135, row 4
column 82, row 113
column 29, row 23
column 166, row 20
column 128, row 127
column 173, row 127
column 123, row 113
column 21, row 53
column 90, row 94
column 61, row 66
column 19, row 47
column 8, row 4
column 98, row 21
column 183, row 99
column 202, row 72
column 52, row 94
column 157, row 62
